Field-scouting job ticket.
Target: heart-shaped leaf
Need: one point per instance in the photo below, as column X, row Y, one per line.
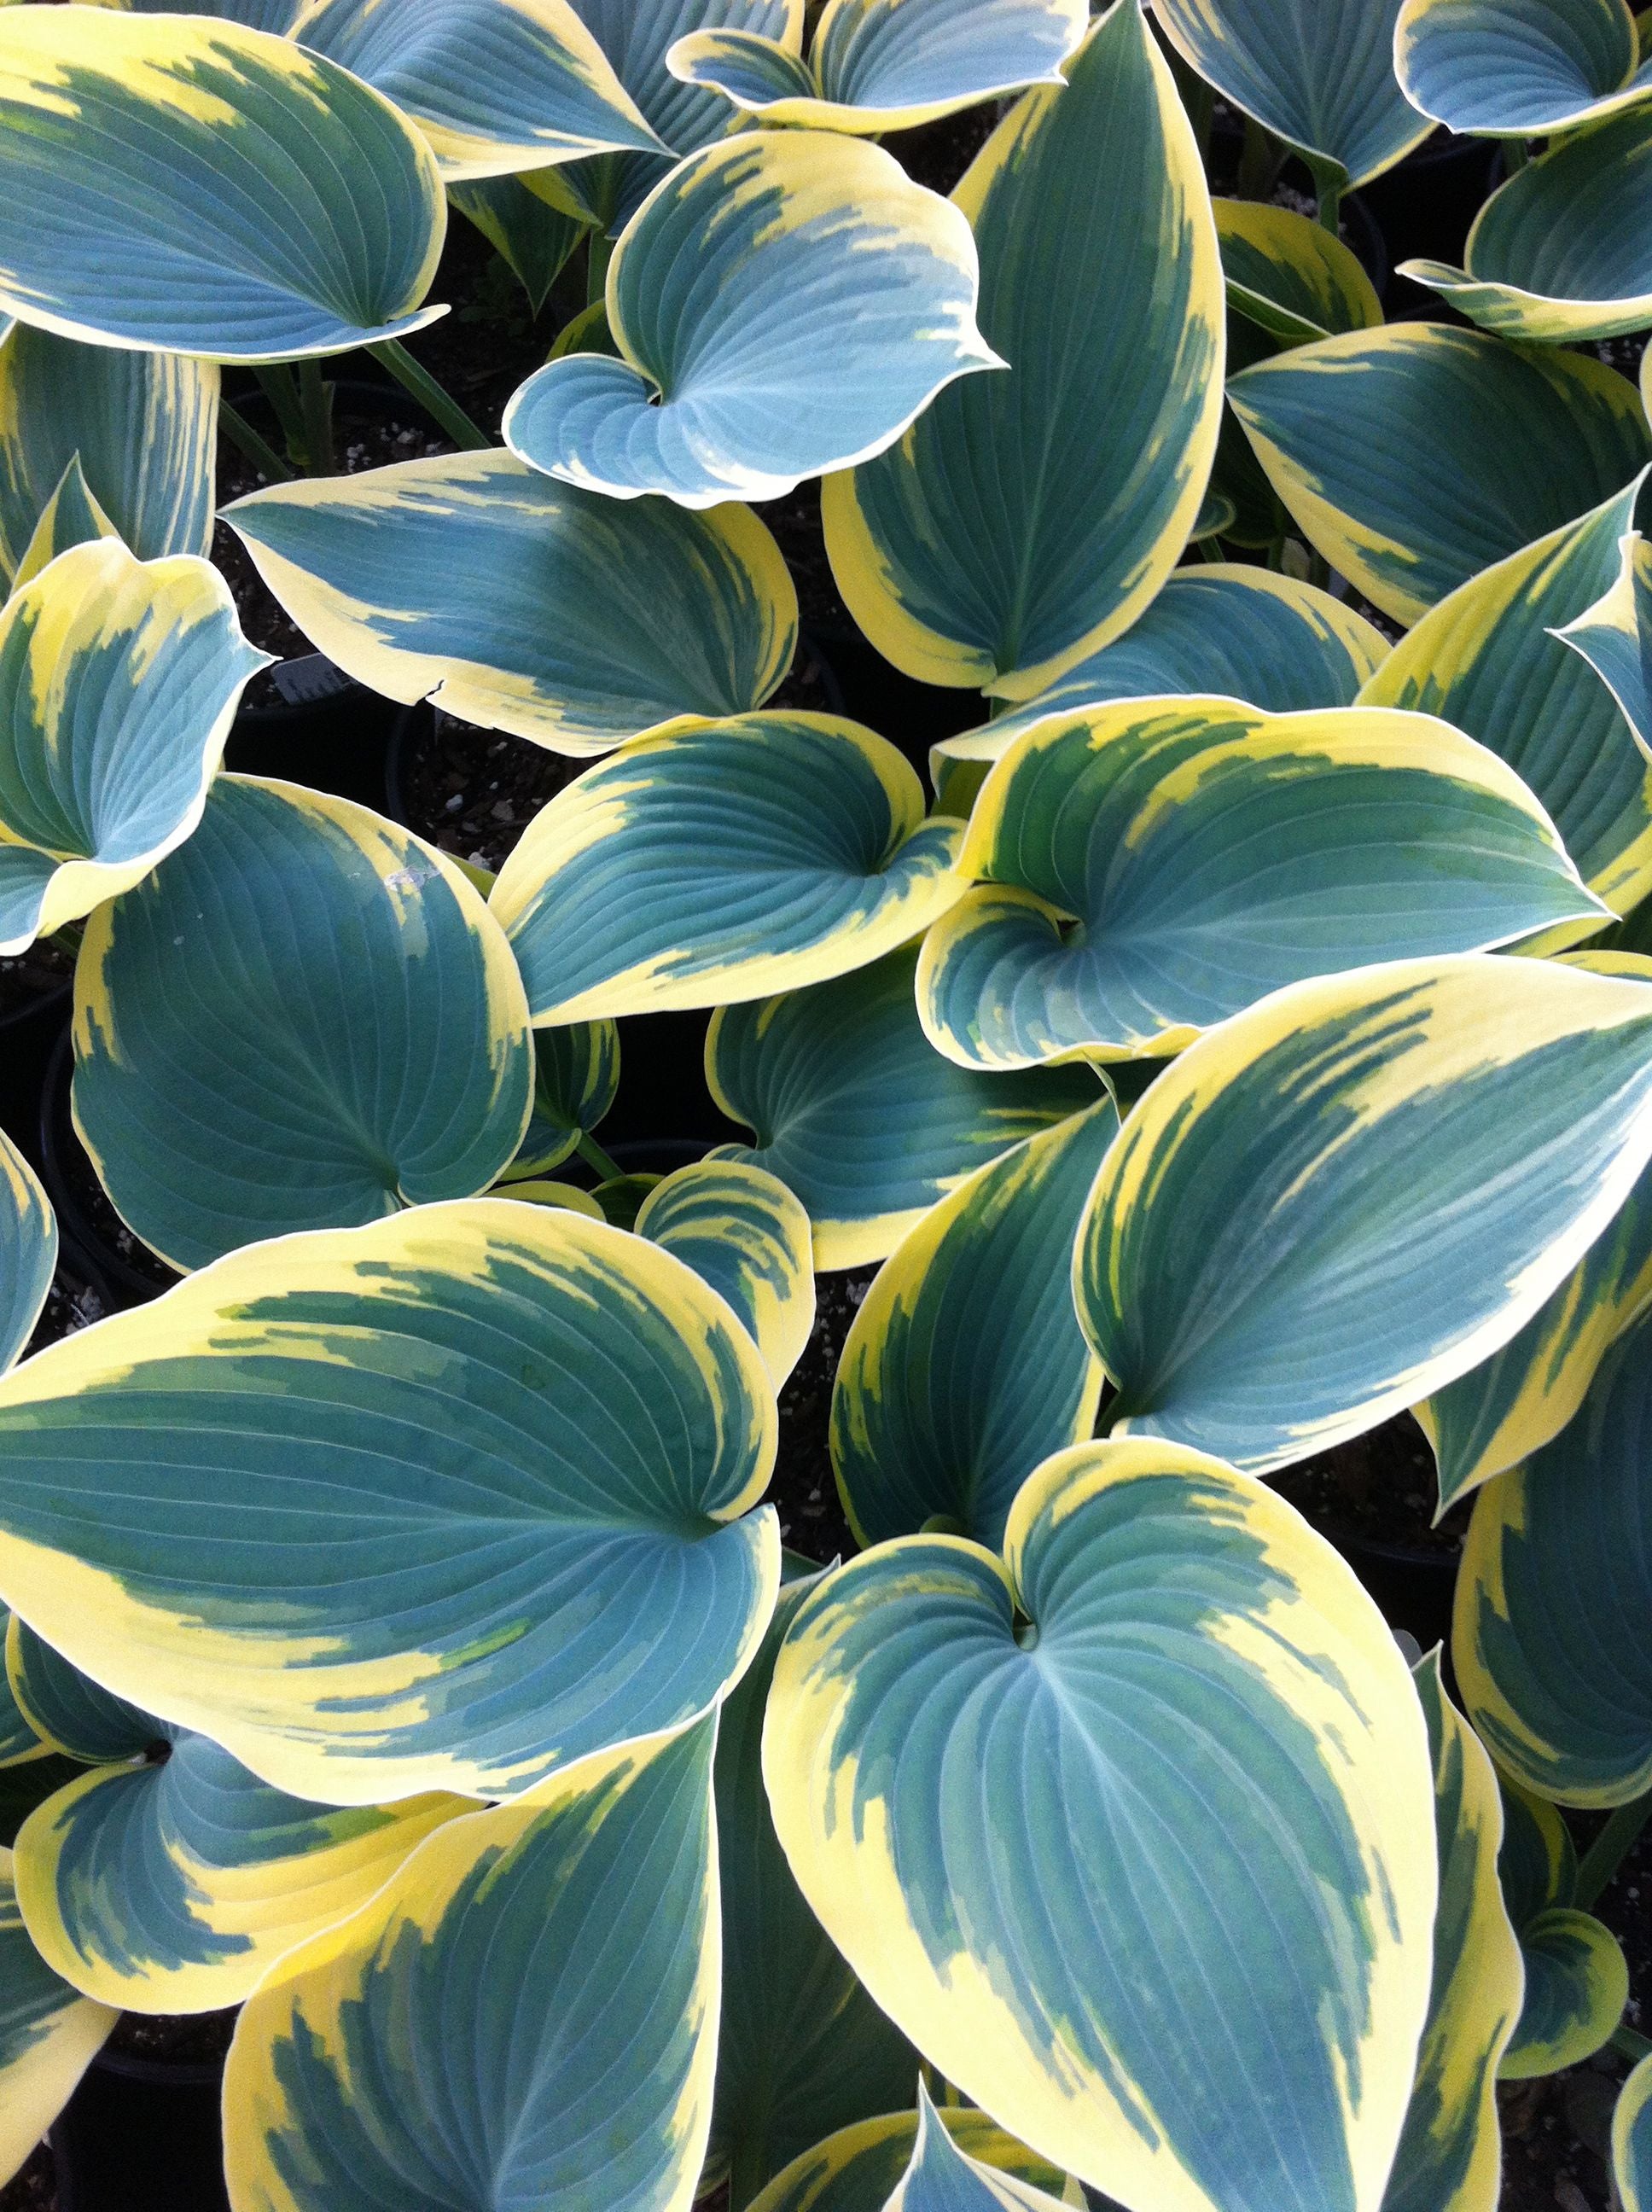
column 119, row 681
column 1362, row 1187
column 1518, row 68
column 1067, row 1856
column 1575, row 1975
column 1003, row 540
column 726, row 862
column 21, row 1743
column 832, row 299
column 525, row 604
column 1414, row 458
column 742, row 1232
column 223, row 1099
column 399, row 2053
column 67, row 1709
column 510, row 1530
column 576, row 1080
column 296, row 211
column 1148, row 868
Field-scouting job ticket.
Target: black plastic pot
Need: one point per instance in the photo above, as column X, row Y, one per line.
column 1423, row 207
column 323, row 729
column 28, row 1034
column 913, row 716
column 1413, row 1589
column 142, row 2135
column 63, row 1169
column 663, row 1086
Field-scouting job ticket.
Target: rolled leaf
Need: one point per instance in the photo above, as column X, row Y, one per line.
column 1563, row 1538
column 1575, row 1977
column 143, row 428
column 1003, row 539
column 802, row 2046
column 49, row 2035
column 20, row 1743
column 1210, row 855
column 527, row 606
column 119, row 681
column 1450, row 2151
column 68, row 1710
column 535, row 239
column 1066, row 1858
column 172, row 1886
column 1518, row 68
column 726, row 862
column 1240, row 631
column 741, row 1230
column 527, row 2015
column 28, row 1250
column 509, row 1532
column 856, row 1112
column 296, row 212
column 70, row 517
column 1487, row 659
column 1615, row 637
column 1289, row 276
column 855, row 2169
column 1632, row 2140
column 942, row 2178
column 832, row 299
column 1413, row 458
column 365, row 1048
column 1360, row 1187
column 1321, row 79
column 1564, row 250
column 966, row 1366
column 495, row 86
column 887, row 64
column 576, row 1080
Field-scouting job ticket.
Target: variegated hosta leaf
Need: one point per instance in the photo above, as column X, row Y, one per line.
column 526, row 604
column 68, row 1710
column 70, row 517
column 887, row 64
column 802, row 2047
column 279, row 16
column 832, row 300
column 566, row 1194
column 173, row 1884
column 1632, row 2140
column 855, row 2169
column 742, row 1232
column 1003, row 540
column 510, row 1530
column 1241, row 631
column 1322, row 78
column 726, row 862
column 21, row 1742
column 1290, row 275
column 1563, row 1538
column 142, row 426
column 1150, row 868
column 941, row 2178
column 1450, row 2155
column 296, row 211
column 576, row 1080
column 966, row 1366
column 1487, row 659
column 1413, row 458
column 49, row 2035
column 525, row 2015
column 1518, row 68
column 28, row 1250
column 496, row 85
column 609, row 189
column 1564, row 250
column 1615, row 637
column 305, row 1019
column 119, row 681
column 535, row 239
column 1575, row 1975
column 856, row 1112
column 1360, row 1187
column 1066, row 1856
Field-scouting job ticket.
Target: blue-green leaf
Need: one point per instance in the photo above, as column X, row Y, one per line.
column 1518, row 68
column 28, row 1250
column 1632, row 2140
column 744, row 1232
column 49, row 2035
column 576, row 1080
column 1615, row 637
column 535, row 239
column 855, row 2169
column 943, row 2178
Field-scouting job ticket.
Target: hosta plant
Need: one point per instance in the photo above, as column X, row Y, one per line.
column 1232, row 1032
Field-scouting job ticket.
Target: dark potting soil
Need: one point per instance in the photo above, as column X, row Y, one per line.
column 473, row 791
column 27, row 977
column 1381, row 1487
column 35, row 2188
column 110, row 1232
column 199, row 2038
column 805, row 1490
column 71, row 1303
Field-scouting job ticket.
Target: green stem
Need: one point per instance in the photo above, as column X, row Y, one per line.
column 592, row 1154
column 247, row 442
column 315, row 397
column 1514, row 154
column 1610, row 1849
column 391, row 354
column 1330, row 181
column 1631, row 2045
column 746, row 2175
column 281, row 389
column 600, row 252
column 1259, row 163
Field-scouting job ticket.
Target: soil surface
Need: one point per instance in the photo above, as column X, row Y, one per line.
column 473, row 791
column 194, row 2039
column 105, row 1230
column 73, row 1301
column 1381, row 1487
column 45, row 968
column 805, row 1490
